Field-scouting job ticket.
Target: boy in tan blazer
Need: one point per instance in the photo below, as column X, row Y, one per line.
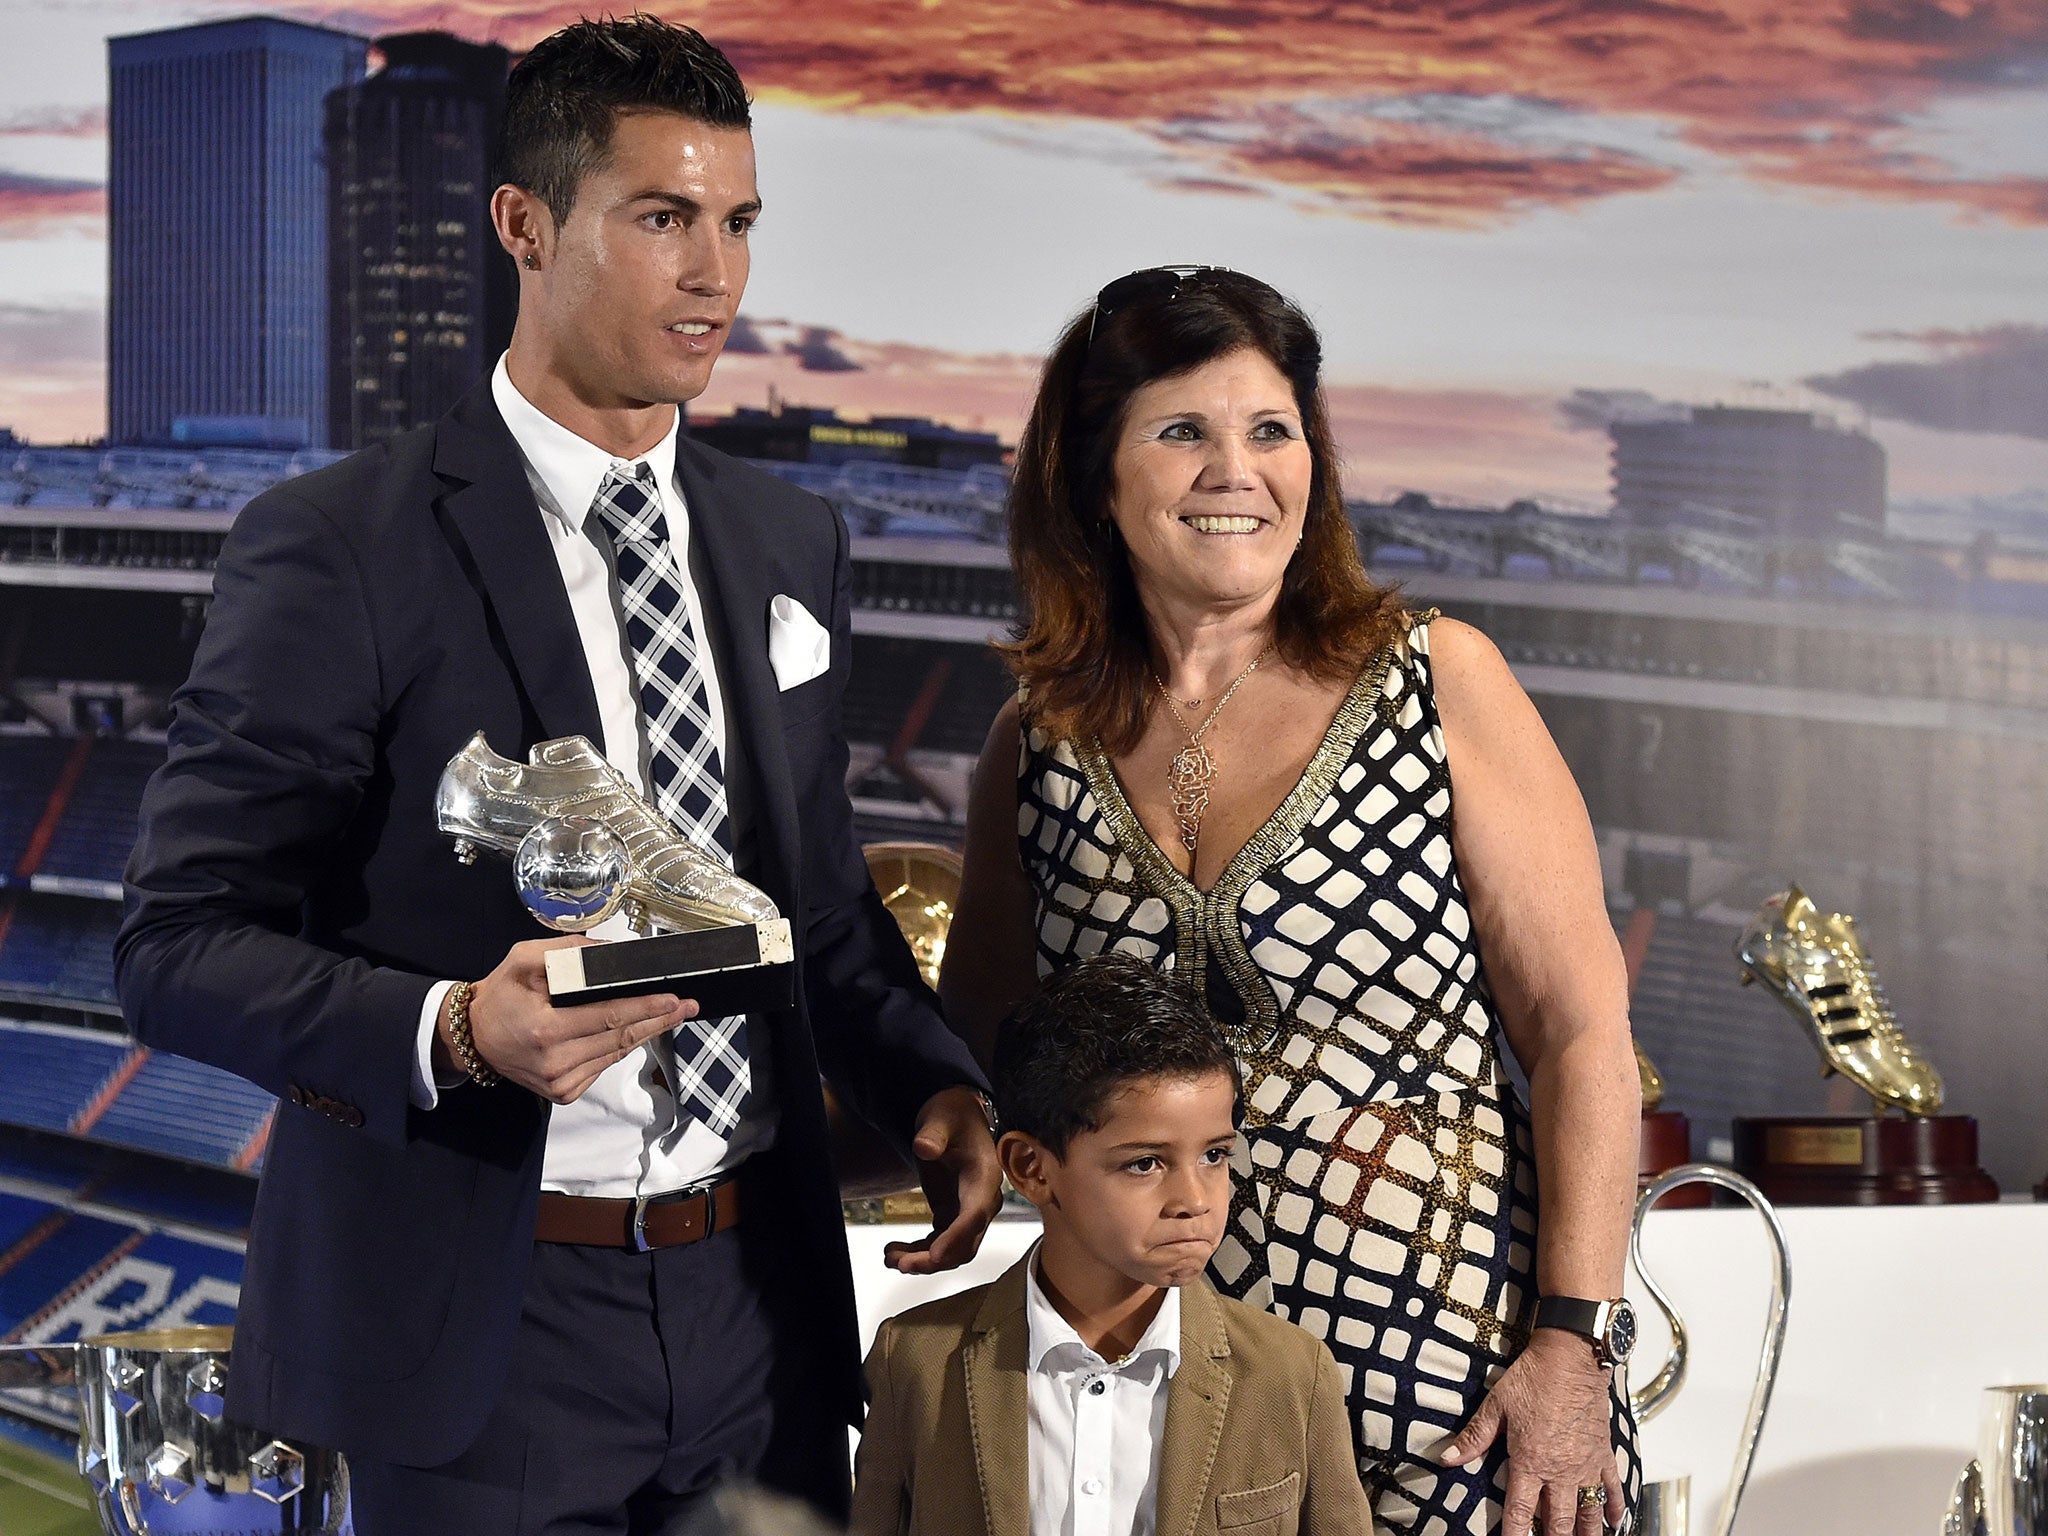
column 1101, row 1387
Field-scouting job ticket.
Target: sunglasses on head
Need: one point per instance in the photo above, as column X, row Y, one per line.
column 1164, row 284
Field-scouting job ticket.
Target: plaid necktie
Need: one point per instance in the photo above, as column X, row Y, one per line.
column 712, row 1078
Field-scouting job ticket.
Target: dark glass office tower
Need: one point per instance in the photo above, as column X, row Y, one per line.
column 217, row 230
column 420, row 293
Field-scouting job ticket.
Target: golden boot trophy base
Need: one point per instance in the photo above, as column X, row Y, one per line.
column 1867, row 1160
column 1667, row 1144
column 1666, row 1141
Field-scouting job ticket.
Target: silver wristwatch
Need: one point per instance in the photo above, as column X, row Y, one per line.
column 1611, row 1325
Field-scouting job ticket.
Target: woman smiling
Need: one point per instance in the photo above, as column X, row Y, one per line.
column 1234, row 756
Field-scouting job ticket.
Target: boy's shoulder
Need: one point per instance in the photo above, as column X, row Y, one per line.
column 943, row 1322
column 1266, row 1339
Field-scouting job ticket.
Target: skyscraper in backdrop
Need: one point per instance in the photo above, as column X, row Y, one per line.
column 217, row 231
column 420, row 293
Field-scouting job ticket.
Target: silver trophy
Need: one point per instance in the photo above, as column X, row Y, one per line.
column 1665, row 1503
column 157, row 1450
column 585, row 845
column 2004, row 1492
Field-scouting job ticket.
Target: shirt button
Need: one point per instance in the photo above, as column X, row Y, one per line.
column 1093, row 1485
column 1098, row 1388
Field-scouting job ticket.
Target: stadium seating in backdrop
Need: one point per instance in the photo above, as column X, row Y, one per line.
column 91, row 839
column 96, row 1085
column 58, row 949
column 29, row 768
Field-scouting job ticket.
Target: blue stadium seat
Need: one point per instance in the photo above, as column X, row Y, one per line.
column 62, row 948
column 93, row 840
column 185, row 1109
column 29, row 766
column 203, row 1287
column 171, row 1192
column 51, row 1161
column 20, row 1216
column 54, row 1265
column 147, row 1186
column 49, row 1074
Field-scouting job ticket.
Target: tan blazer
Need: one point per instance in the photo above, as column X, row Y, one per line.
column 1257, row 1441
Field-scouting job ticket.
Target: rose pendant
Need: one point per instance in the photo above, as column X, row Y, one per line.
column 1189, row 779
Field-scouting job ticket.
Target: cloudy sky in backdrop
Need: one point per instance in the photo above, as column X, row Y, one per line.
column 1509, row 217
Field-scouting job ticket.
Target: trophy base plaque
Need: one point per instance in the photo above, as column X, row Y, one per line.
column 1840, row 1160
column 1667, row 1144
column 743, row 968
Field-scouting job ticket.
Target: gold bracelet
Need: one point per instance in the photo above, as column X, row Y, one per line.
column 459, row 1039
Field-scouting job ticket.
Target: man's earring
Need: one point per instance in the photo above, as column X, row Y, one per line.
column 530, row 261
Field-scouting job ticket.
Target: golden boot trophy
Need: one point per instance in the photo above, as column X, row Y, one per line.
column 1816, row 964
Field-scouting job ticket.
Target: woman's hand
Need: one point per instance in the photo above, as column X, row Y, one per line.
column 1552, row 1406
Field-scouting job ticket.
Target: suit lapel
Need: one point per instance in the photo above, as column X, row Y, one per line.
column 1197, row 1403
column 495, row 524
column 718, row 526
column 996, row 1358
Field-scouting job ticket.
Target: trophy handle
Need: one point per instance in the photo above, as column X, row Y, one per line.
column 35, row 1368
column 1671, row 1375
column 1965, row 1515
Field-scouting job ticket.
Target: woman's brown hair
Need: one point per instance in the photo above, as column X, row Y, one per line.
column 1082, row 651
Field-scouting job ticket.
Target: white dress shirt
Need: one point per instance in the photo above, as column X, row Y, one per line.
column 1096, row 1426
column 623, row 1137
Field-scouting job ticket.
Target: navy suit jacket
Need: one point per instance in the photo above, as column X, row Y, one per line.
column 290, row 903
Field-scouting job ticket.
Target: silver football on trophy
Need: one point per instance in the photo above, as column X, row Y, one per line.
column 585, row 844
column 571, row 872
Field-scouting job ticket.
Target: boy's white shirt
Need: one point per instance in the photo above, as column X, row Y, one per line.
column 1095, row 1428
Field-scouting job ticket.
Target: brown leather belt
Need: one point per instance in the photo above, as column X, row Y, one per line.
column 655, row 1221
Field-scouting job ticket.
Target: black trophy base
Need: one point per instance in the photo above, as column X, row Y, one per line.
column 1887, row 1160
column 746, row 968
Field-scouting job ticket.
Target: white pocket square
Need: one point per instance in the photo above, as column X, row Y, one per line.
column 799, row 647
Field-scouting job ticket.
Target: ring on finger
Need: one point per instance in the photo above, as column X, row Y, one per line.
column 1591, row 1494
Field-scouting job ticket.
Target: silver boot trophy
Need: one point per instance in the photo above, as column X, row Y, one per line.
column 2004, row 1492
column 157, row 1450
column 585, row 845
column 1665, row 1503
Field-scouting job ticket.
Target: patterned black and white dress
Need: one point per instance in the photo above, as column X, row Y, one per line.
column 1385, row 1194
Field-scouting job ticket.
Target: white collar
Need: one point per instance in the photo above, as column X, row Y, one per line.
column 1046, row 1330
column 570, row 468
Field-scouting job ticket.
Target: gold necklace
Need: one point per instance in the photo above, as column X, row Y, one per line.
column 1193, row 770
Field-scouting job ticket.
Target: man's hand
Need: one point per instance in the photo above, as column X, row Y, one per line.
column 556, row 1053
column 956, row 1163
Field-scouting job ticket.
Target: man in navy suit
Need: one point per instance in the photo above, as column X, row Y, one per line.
column 544, row 1269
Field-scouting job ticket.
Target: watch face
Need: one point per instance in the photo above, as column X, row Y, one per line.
column 1621, row 1331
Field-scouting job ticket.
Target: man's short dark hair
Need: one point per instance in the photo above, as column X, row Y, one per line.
column 1064, row 1053
column 565, row 97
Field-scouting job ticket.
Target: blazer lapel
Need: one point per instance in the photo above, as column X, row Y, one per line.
column 996, row 1358
column 743, row 600
column 1197, row 1403
column 495, row 525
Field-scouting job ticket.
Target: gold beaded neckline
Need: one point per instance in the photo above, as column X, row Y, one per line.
column 1193, row 768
